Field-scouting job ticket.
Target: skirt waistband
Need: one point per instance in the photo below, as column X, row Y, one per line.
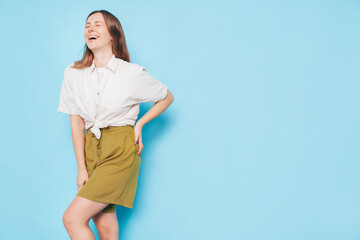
column 112, row 129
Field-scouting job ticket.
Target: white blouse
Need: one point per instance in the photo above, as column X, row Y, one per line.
column 100, row 71
column 110, row 99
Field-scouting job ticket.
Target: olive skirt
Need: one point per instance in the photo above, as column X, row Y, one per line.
column 113, row 167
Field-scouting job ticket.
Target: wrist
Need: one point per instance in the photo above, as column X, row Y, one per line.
column 139, row 124
column 81, row 168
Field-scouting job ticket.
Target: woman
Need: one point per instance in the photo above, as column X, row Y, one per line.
column 102, row 93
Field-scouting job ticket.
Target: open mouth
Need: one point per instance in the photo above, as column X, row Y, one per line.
column 92, row 38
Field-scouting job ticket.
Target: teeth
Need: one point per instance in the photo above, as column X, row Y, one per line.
column 92, row 36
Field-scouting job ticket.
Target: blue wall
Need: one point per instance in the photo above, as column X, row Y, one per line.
column 261, row 141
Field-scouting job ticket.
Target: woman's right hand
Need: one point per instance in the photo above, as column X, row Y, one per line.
column 82, row 178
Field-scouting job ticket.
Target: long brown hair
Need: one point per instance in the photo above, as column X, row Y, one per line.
column 119, row 47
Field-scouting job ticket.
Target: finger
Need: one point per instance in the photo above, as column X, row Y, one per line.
column 141, row 146
column 140, row 141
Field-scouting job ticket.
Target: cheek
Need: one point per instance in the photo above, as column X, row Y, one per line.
column 105, row 39
column 106, row 36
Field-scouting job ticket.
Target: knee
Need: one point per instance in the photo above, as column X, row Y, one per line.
column 107, row 232
column 67, row 220
column 70, row 221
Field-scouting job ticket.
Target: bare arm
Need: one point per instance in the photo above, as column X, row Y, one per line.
column 78, row 139
column 153, row 112
column 156, row 109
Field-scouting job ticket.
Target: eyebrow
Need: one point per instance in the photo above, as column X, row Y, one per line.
column 95, row 22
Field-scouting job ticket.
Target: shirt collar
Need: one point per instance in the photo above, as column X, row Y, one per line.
column 112, row 64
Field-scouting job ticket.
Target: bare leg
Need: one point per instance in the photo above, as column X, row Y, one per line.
column 77, row 216
column 107, row 225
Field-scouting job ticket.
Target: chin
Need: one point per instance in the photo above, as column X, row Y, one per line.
column 91, row 47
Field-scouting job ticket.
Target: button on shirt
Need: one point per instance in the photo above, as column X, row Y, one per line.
column 108, row 96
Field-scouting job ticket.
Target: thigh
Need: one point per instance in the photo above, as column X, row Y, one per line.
column 84, row 209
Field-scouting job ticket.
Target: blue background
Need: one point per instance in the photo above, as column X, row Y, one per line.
column 261, row 141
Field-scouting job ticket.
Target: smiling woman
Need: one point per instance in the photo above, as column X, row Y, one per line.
column 102, row 93
column 102, row 30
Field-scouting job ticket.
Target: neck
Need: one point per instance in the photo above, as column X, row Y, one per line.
column 101, row 59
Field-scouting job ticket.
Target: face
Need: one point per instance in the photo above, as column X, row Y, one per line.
column 96, row 33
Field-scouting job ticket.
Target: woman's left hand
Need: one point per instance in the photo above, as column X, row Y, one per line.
column 138, row 137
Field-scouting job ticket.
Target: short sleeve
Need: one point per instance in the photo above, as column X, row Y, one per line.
column 148, row 88
column 66, row 101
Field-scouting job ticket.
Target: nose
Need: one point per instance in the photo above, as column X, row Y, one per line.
column 91, row 29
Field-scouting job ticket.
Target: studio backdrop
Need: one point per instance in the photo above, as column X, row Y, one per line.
column 261, row 141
